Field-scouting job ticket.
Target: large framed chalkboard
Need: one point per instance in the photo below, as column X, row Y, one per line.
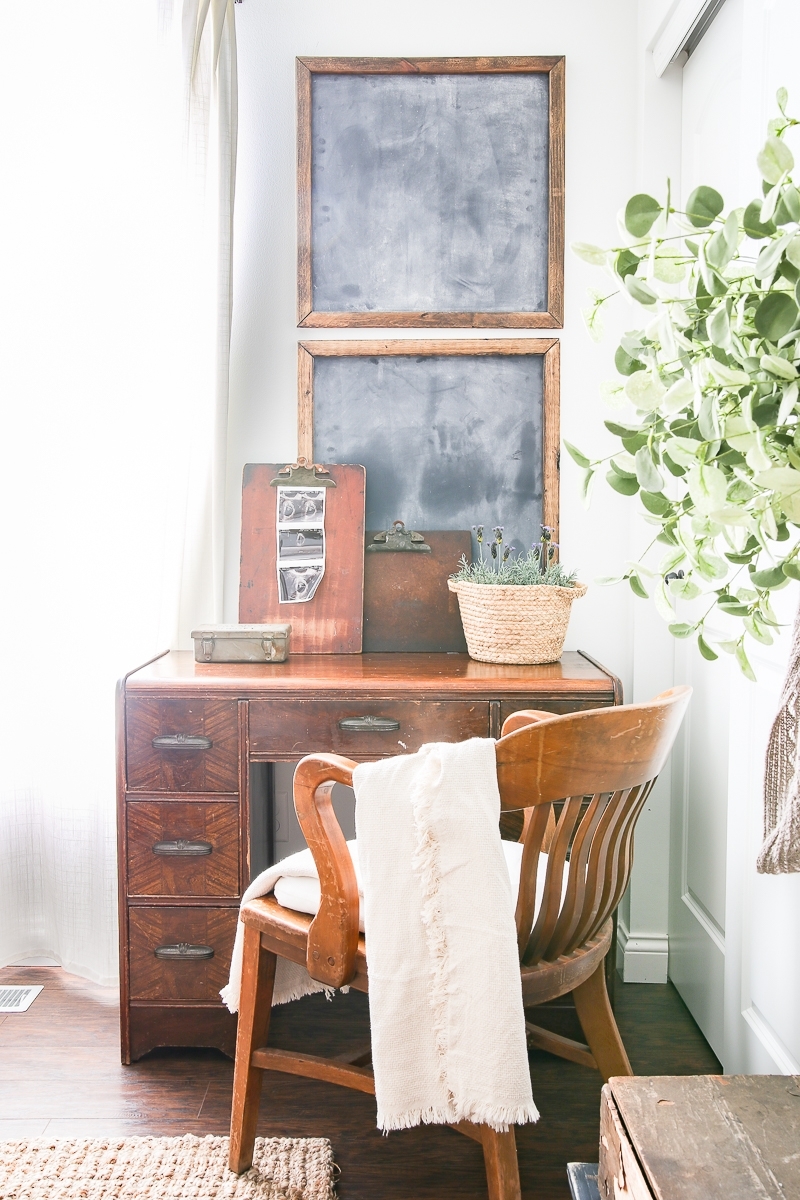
column 430, row 192
column 452, row 433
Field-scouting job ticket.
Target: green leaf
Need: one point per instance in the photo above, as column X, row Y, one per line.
column 680, row 629
column 626, row 263
column 620, row 430
column 640, row 291
column 707, row 487
column 609, row 580
column 722, row 245
column 791, row 569
column 586, row 487
column 703, row 206
column 754, row 227
column 778, row 366
column 647, row 472
column 744, row 663
column 637, row 587
column 774, row 159
column 775, row 316
column 645, row 391
column 622, row 484
column 589, row 253
column 576, row 454
column 672, row 467
column 655, row 503
column 782, row 99
column 625, row 363
column 719, row 326
column 705, row 649
column 769, row 256
column 788, row 210
column 734, row 608
column 770, row 578
column 669, row 266
column 641, row 212
column 634, row 442
column 740, row 559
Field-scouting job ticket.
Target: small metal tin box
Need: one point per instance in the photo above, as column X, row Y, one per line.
column 241, row 643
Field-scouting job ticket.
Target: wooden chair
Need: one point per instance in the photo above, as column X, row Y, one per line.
column 595, row 771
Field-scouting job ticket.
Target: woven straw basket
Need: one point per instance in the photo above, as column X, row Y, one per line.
column 512, row 623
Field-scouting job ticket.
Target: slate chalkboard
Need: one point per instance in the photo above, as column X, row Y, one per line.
column 453, row 434
column 430, row 195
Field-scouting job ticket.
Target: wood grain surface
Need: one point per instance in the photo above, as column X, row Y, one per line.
column 572, row 677
column 407, row 603
column 156, row 979
column 331, row 622
column 75, row 1087
column 166, row 770
column 152, row 823
column 731, row 1137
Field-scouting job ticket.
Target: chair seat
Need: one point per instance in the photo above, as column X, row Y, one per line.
column 285, row 933
column 301, row 892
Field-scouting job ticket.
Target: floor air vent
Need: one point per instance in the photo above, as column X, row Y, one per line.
column 17, row 999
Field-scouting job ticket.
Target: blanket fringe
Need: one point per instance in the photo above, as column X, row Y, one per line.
column 500, row 1119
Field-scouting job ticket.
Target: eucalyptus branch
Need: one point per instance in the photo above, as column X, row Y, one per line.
column 712, row 447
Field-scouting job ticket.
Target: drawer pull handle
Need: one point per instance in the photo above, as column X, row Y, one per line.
column 182, row 848
column 184, row 952
column 369, row 724
column 182, row 741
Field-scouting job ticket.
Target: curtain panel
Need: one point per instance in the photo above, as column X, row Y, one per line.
column 119, row 131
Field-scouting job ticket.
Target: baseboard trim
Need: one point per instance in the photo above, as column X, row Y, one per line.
column 643, row 958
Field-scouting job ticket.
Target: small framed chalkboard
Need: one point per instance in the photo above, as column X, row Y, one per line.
column 430, row 192
column 452, row 433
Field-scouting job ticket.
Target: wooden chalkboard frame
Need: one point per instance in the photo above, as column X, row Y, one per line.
column 553, row 318
column 549, row 348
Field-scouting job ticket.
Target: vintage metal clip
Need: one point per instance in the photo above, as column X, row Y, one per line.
column 303, row 474
column 399, row 538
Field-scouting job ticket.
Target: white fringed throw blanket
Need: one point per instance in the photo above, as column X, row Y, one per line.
column 448, row 1028
column 780, row 853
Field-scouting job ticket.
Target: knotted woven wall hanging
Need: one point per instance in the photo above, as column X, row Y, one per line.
column 780, row 853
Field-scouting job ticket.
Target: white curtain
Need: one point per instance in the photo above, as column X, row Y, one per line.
column 115, row 308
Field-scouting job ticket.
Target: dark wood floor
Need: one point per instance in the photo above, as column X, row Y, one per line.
column 60, row 1073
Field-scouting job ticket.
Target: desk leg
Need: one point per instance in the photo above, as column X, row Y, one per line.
column 611, row 965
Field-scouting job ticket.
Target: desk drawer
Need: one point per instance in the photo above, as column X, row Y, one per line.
column 183, row 848
column 194, row 952
column 361, row 729
column 182, row 745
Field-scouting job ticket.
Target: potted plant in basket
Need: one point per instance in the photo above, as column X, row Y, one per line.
column 515, row 609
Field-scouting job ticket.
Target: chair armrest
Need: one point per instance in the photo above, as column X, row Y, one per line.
column 333, row 935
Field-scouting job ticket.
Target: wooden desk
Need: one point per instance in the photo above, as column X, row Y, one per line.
column 187, row 733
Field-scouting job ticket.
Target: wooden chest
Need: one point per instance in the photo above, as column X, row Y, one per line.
column 188, row 734
column 700, row 1137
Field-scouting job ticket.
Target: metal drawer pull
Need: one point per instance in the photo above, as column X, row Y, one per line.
column 182, row 741
column 369, row 724
column 184, row 952
column 182, row 848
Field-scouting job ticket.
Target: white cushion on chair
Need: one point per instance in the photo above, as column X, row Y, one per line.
column 302, row 892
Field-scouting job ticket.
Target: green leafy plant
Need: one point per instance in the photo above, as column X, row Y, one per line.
column 500, row 566
column 711, row 439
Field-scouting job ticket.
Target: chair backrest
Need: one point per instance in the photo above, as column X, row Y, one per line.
column 599, row 767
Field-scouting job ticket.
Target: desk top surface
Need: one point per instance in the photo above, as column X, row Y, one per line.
column 362, row 673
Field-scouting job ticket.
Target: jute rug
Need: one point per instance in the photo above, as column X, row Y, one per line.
column 145, row 1168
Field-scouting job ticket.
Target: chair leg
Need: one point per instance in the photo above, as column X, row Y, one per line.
column 255, row 1006
column 599, row 1026
column 500, row 1160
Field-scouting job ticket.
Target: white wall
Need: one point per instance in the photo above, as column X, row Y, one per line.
column 598, row 41
column 622, row 133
